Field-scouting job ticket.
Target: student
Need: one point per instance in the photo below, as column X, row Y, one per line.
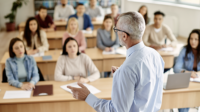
column 84, row 21
column 155, row 34
column 74, row 32
column 73, row 65
column 114, row 12
column 189, row 58
column 35, row 39
column 45, row 21
column 63, row 11
column 95, row 12
column 143, row 10
column 106, row 37
column 21, row 67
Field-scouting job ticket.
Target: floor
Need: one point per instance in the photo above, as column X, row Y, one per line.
column 5, row 38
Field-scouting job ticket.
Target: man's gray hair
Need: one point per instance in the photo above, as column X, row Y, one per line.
column 133, row 23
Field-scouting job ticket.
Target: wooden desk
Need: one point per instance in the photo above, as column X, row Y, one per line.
column 102, row 62
column 55, row 39
column 62, row 101
column 61, row 25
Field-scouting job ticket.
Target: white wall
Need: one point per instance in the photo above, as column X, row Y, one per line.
column 188, row 18
column 23, row 13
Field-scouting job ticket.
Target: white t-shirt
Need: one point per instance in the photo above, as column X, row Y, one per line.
column 157, row 30
column 61, row 12
column 80, row 22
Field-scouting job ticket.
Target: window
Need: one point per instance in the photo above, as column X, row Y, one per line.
column 185, row 2
column 191, row 1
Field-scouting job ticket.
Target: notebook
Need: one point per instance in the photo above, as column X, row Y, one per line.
column 42, row 90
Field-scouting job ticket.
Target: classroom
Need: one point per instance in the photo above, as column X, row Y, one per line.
column 99, row 56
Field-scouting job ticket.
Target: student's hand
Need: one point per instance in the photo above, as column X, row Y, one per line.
column 194, row 74
column 94, row 19
column 164, row 46
column 155, row 47
column 111, row 49
column 80, row 93
column 35, row 51
column 89, row 29
column 113, row 69
column 77, row 78
column 83, row 80
column 107, row 49
column 28, row 86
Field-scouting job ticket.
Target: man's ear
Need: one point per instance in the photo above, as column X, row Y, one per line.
column 125, row 36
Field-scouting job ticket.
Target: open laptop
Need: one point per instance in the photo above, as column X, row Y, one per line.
column 178, row 80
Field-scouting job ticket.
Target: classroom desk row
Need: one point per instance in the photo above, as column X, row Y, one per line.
column 61, row 25
column 63, row 101
column 102, row 62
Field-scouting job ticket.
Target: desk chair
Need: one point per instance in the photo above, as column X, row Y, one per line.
column 5, row 80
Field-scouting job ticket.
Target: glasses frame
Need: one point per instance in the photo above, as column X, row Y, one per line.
column 115, row 30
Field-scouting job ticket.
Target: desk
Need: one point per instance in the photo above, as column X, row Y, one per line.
column 61, row 25
column 102, row 62
column 62, row 101
column 55, row 39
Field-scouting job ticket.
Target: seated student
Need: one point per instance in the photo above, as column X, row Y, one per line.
column 143, row 10
column 73, row 65
column 35, row 39
column 73, row 31
column 114, row 12
column 45, row 21
column 155, row 34
column 95, row 12
column 21, row 67
column 84, row 20
column 189, row 58
column 106, row 37
column 63, row 11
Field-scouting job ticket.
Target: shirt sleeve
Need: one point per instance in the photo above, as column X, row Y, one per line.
column 50, row 20
column 89, row 23
column 99, row 40
column 59, row 71
column 122, row 95
column 56, row 14
column 116, row 45
column 45, row 44
column 146, row 36
column 35, row 75
column 83, row 44
column 179, row 63
column 101, row 14
column 170, row 36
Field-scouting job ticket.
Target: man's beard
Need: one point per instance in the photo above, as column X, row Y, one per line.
column 63, row 5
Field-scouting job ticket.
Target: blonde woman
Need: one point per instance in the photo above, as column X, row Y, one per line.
column 106, row 37
column 74, row 32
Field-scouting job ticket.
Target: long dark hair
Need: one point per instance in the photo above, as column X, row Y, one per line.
column 189, row 48
column 27, row 32
column 64, row 46
column 12, row 42
column 146, row 18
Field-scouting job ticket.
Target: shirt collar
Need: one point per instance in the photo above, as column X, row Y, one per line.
column 15, row 58
column 134, row 48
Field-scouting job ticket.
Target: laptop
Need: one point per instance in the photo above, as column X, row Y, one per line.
column 177, row 81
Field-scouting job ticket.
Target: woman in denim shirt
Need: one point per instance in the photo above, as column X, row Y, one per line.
column 189, row 58
column 21, row 67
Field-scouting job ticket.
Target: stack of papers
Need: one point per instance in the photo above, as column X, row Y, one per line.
column 195, row 80
column 87, row 32
column 110, row 52
column 120, row 50
column 92, row 89
column 38, row 54
column 167, row 49
column 17, row 94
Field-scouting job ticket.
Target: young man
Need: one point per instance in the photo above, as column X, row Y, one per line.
column 95, row 12
column 84, row 20
column 156, row 33
column 45, row 21
column 63, row 11
column 114, row 12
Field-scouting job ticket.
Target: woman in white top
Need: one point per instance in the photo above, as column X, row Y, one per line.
column 73, row 65
column 34, row 39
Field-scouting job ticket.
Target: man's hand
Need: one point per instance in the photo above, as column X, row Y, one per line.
column 113, row 69
column 89, row 29
column 83, row 80
column 80, row 93
column 194, row 74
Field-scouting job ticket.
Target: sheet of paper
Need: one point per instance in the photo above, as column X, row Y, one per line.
column 87, row 32
column 195, row 80
column 38, row 54
column 167, row 49
column 17, row 94
column 121, row 51
column 92, row 89
column 111, row 52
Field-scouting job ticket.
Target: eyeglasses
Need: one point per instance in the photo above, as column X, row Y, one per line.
column 115, row 30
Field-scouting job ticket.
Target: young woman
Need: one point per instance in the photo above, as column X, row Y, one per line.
column 35, row 40
column 106, row 37
column 73, row 31
column 21, row 67
column 189, row 58
column 73, row 65
column 143, row 10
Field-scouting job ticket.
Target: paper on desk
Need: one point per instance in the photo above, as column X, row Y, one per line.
column 17, row 94
column 87, row 32
column 38, row 54
column 92, row 89
column 110, row 52
column 121, row 51
column 195, row 80
column 167, row 49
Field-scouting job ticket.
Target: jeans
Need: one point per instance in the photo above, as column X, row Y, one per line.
column 183, row 109
column 106, row 74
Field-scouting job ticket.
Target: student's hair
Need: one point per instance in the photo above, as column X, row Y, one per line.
column 189, row 48
column 79, row 4
column 113, row 5
column 68, row 24
column 12, row 42
column 64, row 46
column 159, row 13
column 27, row 32
column 42, row 7
column 146, row 15
column 113, row 35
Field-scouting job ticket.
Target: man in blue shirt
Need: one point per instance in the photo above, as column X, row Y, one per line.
column 138, row 82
